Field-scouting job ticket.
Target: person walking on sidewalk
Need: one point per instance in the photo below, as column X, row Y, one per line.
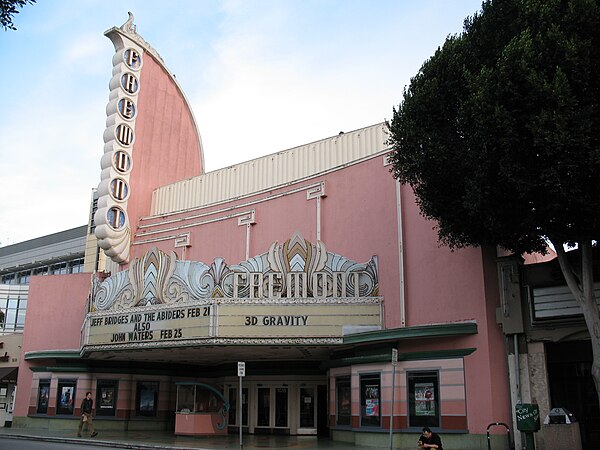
column 86, row 415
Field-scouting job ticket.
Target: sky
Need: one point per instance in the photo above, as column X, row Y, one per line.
column 262, row 76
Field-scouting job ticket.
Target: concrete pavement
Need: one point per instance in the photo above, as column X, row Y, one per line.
column 161, row 440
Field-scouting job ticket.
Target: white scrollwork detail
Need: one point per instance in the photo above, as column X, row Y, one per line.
column 113, row 289
column 295, row 269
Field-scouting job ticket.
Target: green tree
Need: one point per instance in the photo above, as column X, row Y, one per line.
column 8, row 8
column 498, row 135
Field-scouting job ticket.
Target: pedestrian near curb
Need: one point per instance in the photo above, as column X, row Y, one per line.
column 86, row 415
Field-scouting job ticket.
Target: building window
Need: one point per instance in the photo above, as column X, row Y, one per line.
column 43, row 397
column 129, row 83
column 146, row 398
column 93, row 210
column 65, row 398
column 76, row 266
column 12, row 312
column 41, row 270
column 233, row 402
column 9, row 279
column 126, row 108
column 132, row 58
column 343, row 401
column 423, row 399
column 185, row 398
column 59, row 269
column 106, row 397
column 370, row 401
column 124, row 134
column 23, row 277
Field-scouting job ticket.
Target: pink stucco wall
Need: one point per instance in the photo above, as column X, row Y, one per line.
column 55, row 313
column 167, row 144
column 359, row 219
column 452, row 286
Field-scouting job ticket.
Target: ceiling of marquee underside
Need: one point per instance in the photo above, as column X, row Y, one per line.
column 215, row 355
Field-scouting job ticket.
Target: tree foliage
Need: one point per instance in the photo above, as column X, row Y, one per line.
column 498, row 134
column 8, row 8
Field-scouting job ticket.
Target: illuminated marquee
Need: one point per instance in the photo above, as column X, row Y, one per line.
column 296, row 290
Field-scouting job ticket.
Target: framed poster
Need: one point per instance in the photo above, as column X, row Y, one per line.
column 370, row 388
column 147, row 398
column 106, row 397
column 65, row 398
column 423, row 399
column 43, row 397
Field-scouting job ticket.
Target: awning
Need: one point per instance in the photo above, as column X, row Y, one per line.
column 8, row 374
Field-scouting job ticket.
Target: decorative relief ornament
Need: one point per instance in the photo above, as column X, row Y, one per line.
column 295, row 271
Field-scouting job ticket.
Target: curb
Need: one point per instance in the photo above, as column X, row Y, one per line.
column 92, row 441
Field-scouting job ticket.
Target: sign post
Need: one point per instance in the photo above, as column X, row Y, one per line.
column 394, row 364
column 241, row 373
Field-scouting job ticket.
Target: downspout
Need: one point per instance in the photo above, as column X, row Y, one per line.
column 400, row 254
column 517, row 369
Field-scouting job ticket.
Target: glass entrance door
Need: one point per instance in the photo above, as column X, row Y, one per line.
column 272, row 408
column 263, row 407
column 281, row 407
column 307, row 407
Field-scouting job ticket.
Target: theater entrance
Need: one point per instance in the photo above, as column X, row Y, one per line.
column 278, row 408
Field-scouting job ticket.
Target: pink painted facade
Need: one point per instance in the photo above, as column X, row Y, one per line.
column 438, row 306
column 55, row 307
column 167, row 146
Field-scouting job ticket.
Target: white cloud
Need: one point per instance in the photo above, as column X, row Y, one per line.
column 262, row 76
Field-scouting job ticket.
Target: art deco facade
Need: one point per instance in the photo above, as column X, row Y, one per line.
column 311, row 266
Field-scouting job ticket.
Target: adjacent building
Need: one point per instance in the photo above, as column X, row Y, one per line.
column 58, row 253
column 549, row 349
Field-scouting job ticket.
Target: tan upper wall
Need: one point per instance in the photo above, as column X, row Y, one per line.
column 270, row 171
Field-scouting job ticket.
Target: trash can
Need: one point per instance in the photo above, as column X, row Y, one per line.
column 559, row 415
column 561, row 430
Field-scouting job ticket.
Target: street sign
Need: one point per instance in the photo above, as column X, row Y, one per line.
column 241, row 369
column 394, row 356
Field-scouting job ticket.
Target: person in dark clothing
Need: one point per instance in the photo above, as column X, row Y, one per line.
column 86, row 415
column 429, row 440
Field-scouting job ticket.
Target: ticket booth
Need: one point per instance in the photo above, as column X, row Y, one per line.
column 201, row 410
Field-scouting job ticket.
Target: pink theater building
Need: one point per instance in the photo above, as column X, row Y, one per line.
column 311, row 266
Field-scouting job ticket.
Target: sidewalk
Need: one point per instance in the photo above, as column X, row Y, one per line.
column 160, row 440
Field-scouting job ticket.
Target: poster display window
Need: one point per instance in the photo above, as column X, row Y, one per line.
column 43, row 397
column 423, row 399
column 106, row 397
column 147, row 398
column 370, row 391
column 344, row 401
column 65, row 398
